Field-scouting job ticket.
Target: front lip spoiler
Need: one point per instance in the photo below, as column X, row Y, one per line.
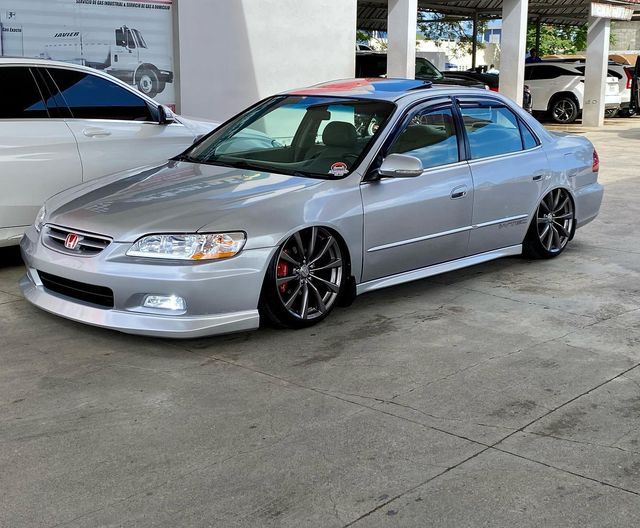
column 138, row 323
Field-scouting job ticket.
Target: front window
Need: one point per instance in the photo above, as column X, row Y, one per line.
column 301, row 135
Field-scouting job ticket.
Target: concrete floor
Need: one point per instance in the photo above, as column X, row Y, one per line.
column 502, row 395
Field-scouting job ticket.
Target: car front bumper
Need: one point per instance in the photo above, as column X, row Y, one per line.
column 221, row 296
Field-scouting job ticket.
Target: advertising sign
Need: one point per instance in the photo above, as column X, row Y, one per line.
column 615, row 12
column 131, row 40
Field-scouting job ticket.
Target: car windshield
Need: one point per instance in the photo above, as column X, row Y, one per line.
column 425, row 69
column 303, row 135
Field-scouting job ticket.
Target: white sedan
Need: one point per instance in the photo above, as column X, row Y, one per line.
column 63, row 124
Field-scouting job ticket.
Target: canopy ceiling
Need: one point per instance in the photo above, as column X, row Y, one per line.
column 372, row 14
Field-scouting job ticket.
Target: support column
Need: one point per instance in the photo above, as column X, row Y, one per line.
column 402, row 25
column 512, row 53
column 595, row 74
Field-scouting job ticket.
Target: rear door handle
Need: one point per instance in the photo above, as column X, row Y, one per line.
column 96, row 132
column 459, row 192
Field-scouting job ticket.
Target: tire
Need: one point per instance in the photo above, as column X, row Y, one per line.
column 148, row 83
column 626, row 112
column 552, row 227
column 613, row 112
column 564, row 110
column 304, row 280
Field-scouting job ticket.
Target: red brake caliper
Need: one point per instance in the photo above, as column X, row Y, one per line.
column 282, row 270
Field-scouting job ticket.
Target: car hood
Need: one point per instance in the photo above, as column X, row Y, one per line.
column 176, row 197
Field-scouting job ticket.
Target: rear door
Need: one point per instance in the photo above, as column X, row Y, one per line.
column 509, row 170
column 115, row 128
column 38, row 153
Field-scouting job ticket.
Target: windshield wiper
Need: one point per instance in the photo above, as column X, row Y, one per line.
column 185, row 157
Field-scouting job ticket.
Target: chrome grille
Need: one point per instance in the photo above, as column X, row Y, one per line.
column 88, row 244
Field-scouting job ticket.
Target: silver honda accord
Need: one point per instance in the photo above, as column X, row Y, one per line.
column 354, row 186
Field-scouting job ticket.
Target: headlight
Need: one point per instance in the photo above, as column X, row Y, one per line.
column 40, row 218
column 189, row 247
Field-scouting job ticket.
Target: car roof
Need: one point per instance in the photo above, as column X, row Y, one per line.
column 44, row 62
column 381, row 89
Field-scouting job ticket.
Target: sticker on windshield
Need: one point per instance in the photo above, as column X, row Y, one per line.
column 339, row 168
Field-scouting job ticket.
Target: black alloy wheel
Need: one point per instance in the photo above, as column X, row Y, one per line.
column 552, row 227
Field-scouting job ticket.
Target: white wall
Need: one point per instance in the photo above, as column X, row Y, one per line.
column 232, row 53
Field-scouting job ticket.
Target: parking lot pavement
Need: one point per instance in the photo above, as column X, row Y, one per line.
column 502, row 395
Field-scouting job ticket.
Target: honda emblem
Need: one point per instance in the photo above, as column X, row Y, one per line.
column 71, row 241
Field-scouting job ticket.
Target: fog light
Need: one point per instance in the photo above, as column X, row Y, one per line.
column 165, row 302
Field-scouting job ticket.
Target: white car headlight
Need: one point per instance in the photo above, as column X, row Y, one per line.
column 189, row 247
column 39, row 222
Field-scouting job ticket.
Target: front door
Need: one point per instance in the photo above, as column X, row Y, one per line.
column 411, row 223
column 113, row 126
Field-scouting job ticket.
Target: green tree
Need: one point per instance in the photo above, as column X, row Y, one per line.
column 442, row 28
column 558, row 39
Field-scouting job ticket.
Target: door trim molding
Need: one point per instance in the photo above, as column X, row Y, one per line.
column 419, row 239
column 437, row 269
column 446, row 233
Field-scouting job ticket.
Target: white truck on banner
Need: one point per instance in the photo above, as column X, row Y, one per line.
column 131, row 40
column 122, row 53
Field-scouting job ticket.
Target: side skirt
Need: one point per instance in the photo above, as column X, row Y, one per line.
column 437, row 269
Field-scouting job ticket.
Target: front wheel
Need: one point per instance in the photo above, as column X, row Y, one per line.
column 304, row 280
column 552, row 226
column 564, row 110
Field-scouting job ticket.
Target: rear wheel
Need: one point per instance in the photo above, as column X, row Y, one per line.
column 627, row 112
column 148, row 83
column 552, row 227
column 564, row 110
column 304, row 280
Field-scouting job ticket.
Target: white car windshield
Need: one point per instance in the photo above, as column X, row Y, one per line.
column 304, row 135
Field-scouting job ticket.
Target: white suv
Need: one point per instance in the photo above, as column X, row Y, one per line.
column 558, row 88
column 63, row 124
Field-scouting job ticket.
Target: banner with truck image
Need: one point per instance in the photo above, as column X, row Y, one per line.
column 131, row 40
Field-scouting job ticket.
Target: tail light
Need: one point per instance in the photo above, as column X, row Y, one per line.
column 493, row 88
column 596, row 162
column 629, row 78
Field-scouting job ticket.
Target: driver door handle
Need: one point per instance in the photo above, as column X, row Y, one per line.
column 96, row 132
column 459, row 192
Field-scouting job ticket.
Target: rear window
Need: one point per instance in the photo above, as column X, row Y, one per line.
column 491, row 130
column 21, row 97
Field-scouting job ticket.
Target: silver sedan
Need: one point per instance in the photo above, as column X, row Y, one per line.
column 361, row 185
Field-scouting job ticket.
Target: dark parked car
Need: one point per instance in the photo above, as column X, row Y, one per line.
column 490, row 79
column 374, row 64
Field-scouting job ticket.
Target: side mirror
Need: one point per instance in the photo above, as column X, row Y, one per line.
column 165, row 115
column 400, row 166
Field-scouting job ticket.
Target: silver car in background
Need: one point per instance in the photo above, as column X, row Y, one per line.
column 362, row 185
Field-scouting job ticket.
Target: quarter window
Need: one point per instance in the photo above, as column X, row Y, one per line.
column 21, row 96
column 491, row 130
column 431, row 137
column 528, row 139
column 92, row 97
